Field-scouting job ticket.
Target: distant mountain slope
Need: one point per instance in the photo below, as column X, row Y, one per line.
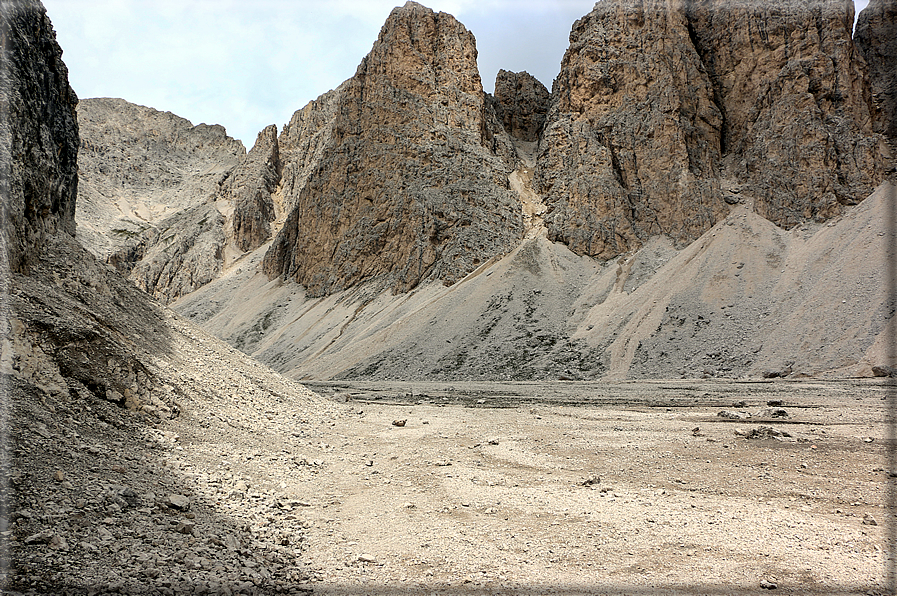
column 745, row 299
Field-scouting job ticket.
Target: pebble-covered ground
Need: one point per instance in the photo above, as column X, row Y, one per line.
column 625, row 488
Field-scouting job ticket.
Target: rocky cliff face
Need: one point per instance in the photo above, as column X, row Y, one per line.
column 249, row 187
column 631, row 146
column 38, row 135
column 139, row 166
column 407, row 187
column 521, row 104
column 663, row 110
column 876, row 38
column 795, row 100
column 169, row 203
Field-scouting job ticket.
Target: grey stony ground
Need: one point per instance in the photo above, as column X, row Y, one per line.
column 518, row 488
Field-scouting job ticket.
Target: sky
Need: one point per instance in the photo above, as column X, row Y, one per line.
column 246, row 64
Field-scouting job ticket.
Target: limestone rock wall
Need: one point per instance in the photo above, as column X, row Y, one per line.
column 521, row 104
column 631, row 146
column 139, row 166
column 665, row 110
column 38, row 134
column 876, row 38
column 407, row 186
column 795, row 98
column 249, row 187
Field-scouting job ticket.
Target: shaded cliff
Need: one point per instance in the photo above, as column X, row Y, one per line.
column 663, row 111
column 876, row 38
column 407, row 187
column 38, row 135
column 631, row 147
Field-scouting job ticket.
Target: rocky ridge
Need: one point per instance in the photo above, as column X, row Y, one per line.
column 654, row 135
column 138, row 167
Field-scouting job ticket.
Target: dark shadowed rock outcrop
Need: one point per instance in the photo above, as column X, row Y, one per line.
column 876, row 37
column 249, row 187
column 407, row 187
column 521, row 104
column 38, row 135
column 631, row 147
column 795, row 99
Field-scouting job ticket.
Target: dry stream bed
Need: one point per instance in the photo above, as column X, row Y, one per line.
column 594, row 487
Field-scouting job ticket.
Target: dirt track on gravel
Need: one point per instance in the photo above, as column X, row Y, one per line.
column 627, row 487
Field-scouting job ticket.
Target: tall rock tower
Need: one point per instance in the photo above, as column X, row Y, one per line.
column 406, row 186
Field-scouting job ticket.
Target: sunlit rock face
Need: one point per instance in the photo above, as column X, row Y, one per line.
column 408, row 186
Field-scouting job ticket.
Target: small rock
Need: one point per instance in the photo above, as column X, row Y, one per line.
column 59, row 476
column 408, row 505
column 884, row 371
column 766, row 432
column 399, row 422
column 366, row 559
column 43, row 537
column 178, row 501
column 185, row 527
column 739, row 404
column 868, row 440
column 768, row 585
column 59, row 543
column 868, row 520
column 772, row 413
column 730, row 415
column 591, row 480
column 105, row 535
column 775, row 403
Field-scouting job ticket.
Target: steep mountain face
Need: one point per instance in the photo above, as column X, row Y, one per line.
column 521, row 104
column 663, row 110
column 138, row 166
column 876, row 38
column 407, row 187
column 795, row 98
column 168, row 203
column 631, row 147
